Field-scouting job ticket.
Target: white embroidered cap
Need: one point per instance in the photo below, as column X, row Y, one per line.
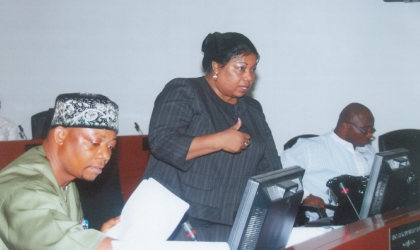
column 85, row 110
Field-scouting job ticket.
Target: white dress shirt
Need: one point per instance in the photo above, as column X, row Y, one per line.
column 325, row 157
column 8, row 130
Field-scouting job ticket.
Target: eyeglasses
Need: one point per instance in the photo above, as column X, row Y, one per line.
column 362, row 130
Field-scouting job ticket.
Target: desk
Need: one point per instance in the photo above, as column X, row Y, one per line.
column 10, row 150
column 370, row 233
column 132, row 155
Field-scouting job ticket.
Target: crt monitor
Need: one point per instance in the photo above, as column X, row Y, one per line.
column 393, row 183
column 268, row 210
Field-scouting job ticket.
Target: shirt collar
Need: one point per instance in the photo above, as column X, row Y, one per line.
column 342, row 142
column 346, row 144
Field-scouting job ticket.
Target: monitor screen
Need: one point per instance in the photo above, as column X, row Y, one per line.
column 393, row 183
column 268, row 210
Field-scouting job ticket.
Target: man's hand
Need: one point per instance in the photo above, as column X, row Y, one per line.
column 314, row 200
column 106, row 244
column 109, row 224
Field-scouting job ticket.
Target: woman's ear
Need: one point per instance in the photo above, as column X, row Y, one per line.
column 215, row 66
column 60, row 134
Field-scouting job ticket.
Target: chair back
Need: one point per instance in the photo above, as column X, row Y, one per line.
column 41, row 123
column 292, row 141
column 403, row 138
column 102, row 198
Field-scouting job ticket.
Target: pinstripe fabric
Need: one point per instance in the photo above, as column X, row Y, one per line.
column 213, row 184
column 325, row 157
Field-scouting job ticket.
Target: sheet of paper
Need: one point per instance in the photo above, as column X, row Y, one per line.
column 172, row 245
column 150, row 215
column 301, row 234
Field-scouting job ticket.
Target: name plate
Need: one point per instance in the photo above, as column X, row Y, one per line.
column 406, row 236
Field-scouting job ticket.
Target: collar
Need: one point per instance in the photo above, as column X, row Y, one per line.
column 347, row 145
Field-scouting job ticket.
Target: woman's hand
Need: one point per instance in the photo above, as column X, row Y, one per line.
column 234, row 141
column 110, row 224
column 230, row 140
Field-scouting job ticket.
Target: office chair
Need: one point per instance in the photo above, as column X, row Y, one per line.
column 292, row 141
column 41, row 123
column 403, row 138
column 408, row 139
column 301, row 218
column 102, row 198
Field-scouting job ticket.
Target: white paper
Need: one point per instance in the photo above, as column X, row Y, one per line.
column 301, row 234
column 172, row 245
column 151, row 214
column 149, row 217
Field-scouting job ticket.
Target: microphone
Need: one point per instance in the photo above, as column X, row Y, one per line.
column 344, row 190
column 22, row 134
column 190, row 232
column 137, row 127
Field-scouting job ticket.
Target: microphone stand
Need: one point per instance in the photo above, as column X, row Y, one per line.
column 348, row 197
column 137, row 127
column 21, row 133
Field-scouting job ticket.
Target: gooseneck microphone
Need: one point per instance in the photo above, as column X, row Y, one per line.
column 189, row 230
column 21, row 133
column 344, row 190
column 137, row 127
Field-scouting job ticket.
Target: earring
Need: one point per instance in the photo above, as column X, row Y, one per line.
column 215, row 76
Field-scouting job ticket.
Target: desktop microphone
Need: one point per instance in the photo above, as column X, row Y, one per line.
column 22, row 134
column 344, row 190
column 190, row 232
column 137, row 127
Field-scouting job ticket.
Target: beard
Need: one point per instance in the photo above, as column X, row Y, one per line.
column 85, row 175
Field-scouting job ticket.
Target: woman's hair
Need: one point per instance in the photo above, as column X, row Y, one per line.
column 221, row 48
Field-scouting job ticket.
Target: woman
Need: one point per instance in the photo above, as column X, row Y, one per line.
column 207, row 137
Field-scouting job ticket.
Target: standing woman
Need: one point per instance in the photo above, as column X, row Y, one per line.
column 207, row 137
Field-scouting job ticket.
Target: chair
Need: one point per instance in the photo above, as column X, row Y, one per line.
column 41, row 123
column 403, row 138
column 102, row 198
column 292, row 141
column 301, row 218
column 408, row 139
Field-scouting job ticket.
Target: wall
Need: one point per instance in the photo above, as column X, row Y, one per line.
column 316, row 56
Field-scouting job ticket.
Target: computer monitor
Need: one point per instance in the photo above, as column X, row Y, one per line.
column 393, row 183
column 268, row 210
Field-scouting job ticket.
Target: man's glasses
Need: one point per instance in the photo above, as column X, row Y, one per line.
column 362, row 130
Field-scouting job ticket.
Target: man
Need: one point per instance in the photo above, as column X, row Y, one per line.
column 346, row 150
column 8, row 129
column 39, row 203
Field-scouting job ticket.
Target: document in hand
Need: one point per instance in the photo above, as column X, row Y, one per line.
column 149, row 217
column 151, row 213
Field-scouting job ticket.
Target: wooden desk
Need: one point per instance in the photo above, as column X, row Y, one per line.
column 10, row 150
column 132, row 153
column 370, row 233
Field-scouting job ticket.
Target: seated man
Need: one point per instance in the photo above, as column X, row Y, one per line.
column 39, row 203
column 8, row 129
column 346, row 150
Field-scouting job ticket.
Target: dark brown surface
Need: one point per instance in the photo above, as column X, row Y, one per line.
column 10, row 150
column 133, row 155
column 370, row 233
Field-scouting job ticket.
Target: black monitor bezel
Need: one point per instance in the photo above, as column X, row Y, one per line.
column 376, row 172
column 256, row 184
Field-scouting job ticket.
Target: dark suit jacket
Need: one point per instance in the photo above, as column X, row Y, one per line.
column 213, row 185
